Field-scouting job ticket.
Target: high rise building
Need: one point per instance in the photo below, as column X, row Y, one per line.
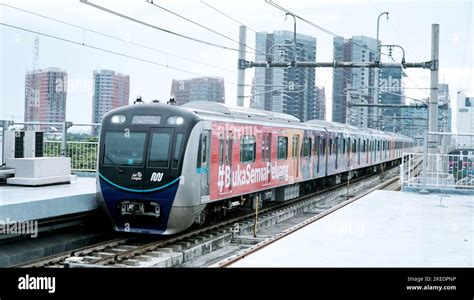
column 111, row 90
column 444, row 107
column 389, row 92
column 354, row 84
column 45, row 97
column 413, row 121
column 320, row 107
column 285, row 90
column 364, row 86
column 465, row 120
column 198, row 89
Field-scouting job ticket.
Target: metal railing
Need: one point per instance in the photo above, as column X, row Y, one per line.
column 444, row 172
column 83, row 154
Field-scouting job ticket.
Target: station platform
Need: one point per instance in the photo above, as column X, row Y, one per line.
column 382, row 229
column 19, row 203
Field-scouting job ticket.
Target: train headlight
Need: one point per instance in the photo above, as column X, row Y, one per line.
column 118, row 119
column 175, row 120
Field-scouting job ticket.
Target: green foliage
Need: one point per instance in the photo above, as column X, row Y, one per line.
column 83, row 154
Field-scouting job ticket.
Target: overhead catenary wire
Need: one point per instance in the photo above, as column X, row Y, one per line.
column 319, row 27
column 116, row 38
column 228, row 16
column 158, row 28
column 100, row 49
column 238, row 22
column 202, row 26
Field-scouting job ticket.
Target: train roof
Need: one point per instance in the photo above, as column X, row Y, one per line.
column 219, row 111
column 205, row 107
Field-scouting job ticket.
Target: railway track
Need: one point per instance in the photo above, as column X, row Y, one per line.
column 176, row 250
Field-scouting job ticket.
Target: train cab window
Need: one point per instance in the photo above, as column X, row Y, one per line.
column 178, row 144
column 295, row 144
column 247, row 149
column 124, row 150
column 306, row 150
column 159, row 150
column 282, row 151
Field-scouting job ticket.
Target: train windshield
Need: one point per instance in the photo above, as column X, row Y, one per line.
column 160, row 149
column 124, row 148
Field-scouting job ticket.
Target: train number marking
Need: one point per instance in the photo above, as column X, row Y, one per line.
column 156, row 176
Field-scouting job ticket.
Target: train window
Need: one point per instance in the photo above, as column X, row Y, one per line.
column 316, row 146
column 124, row 151
column 323, row 147
column 354, row 146
column 282, row 147
column 344, row 145
column 228, row 145
column 306, row 150
column 316, row 151
column 363, row 146
column 204, row 149
column 247, row 149
column 266, row 141
column 198, row 162
column 221, row 149
column 294, row 149
column 159, row 151
column 178, row 141
column 331, row 150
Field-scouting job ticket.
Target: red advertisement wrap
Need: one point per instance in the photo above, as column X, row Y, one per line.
column 232, row 175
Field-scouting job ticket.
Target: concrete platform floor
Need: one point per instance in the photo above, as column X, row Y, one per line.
column 383, row 229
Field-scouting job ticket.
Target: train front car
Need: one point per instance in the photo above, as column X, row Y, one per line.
column 141, row 157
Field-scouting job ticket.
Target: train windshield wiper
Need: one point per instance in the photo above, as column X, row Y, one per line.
column 117, row 166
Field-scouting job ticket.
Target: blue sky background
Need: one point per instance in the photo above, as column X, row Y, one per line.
column 409, row 25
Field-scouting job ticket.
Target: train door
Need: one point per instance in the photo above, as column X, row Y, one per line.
column 267, row 154
column 367, row 150
column 358, row 151
column 349, row 154
column 295, row 155
column 159, row 164
column 325, row 153
column 205, row 159
column 316, row 155
column 225, row 162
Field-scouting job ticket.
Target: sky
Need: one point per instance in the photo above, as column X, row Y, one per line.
column 409, row 25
